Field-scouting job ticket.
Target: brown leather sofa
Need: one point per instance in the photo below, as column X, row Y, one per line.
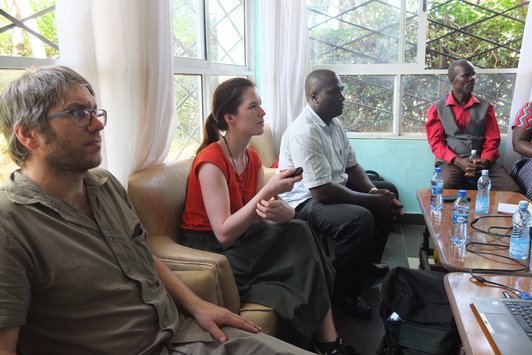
column 158, row 195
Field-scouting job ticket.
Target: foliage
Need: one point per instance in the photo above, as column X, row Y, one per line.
column 488, row 32
column 367, row 32
column 185, row 27
column 459, row 29
column 188, row 102
column 369, row 103
column 46, row 25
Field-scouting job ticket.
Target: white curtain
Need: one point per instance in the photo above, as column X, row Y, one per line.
column 282, row 61
column 124, row 48
column 523, row 88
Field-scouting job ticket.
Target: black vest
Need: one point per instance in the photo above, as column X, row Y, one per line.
column 462, row 142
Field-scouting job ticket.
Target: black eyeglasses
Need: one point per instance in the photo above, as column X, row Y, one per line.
column 82, row 117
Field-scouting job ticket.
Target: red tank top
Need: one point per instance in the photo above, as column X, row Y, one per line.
column 194, row 216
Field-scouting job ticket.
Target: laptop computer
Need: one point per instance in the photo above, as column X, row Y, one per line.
column 511, row 335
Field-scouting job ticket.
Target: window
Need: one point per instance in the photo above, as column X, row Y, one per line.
column 210, row 45
column 28, row 36
column 392, row 55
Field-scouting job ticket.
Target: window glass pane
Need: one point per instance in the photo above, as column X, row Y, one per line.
column 215, row 80
column 28, row 29
column 368, row 103
column 189, row 116
column 411, row 31
column 361, row 31
column 227, row 31
column 499, row 90
column 188, row 28
column 488, row 32
column 419, row 91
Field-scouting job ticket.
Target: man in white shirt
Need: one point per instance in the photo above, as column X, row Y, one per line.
column 336, row 197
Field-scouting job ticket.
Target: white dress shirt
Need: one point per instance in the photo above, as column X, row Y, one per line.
column 323, row 151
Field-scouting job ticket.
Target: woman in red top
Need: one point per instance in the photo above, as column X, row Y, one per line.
column 231, row 209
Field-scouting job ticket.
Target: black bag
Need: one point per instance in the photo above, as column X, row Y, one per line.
column 373, row 175
column 416, row 314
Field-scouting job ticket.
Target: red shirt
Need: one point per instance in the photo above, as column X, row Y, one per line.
column 194, row 216
column 436, row 133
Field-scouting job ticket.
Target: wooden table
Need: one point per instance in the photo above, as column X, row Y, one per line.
column 460, row 288
column 454, row 258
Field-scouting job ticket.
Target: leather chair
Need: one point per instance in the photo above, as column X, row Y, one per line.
column 263, row 145
column 158, row 195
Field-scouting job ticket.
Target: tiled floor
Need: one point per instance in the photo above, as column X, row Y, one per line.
column 402, row 250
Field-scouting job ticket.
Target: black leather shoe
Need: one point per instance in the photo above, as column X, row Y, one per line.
column 378, row 270
column 337, row 347
column 354, row 306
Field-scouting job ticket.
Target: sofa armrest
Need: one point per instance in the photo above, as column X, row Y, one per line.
column 208, row 274
column 269, row 173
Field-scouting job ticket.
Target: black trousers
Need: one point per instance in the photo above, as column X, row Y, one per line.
column 453, row 178
column 359, row 239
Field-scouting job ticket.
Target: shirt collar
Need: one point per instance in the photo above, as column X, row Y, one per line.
column 22, row 190
column 452, row 102
column 317, row 119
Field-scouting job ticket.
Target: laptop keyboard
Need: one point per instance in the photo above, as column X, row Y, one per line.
column 522, row 311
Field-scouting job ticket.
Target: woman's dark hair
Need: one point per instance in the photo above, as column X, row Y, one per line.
column 226, row 99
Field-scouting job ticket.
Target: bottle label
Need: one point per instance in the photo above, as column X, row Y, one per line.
column 459, row 217
column 434, row 190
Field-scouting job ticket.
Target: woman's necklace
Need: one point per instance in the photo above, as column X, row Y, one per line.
column 242, row 190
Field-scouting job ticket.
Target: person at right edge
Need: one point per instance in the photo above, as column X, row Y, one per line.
column 459, row 123
column 522, row 144
column 336, row 197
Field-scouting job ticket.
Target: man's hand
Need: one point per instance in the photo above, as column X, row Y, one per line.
column 211, row 317
column 471, row 168
column 275, row 210
column 392, row 207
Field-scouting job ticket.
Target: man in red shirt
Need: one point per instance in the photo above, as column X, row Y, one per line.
column 459, row 123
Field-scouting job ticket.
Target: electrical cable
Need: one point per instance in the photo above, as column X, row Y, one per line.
column 521, row 294
column 489, row 232
column 475, row 271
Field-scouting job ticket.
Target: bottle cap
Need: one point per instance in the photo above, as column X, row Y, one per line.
column 473, row 152
column 485, row 172
column 461, row 193
column 523, row 204
column 437, row 169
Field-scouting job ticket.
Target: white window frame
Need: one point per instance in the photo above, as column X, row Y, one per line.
column 205, row 67
column 398, row 71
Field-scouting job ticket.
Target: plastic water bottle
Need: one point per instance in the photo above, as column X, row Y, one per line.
column 436, row 190
column 520, row 239
column 460, row 217
column 482, row 204
column 474, row 155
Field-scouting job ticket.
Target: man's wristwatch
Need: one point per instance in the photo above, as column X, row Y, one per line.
column 373, row 189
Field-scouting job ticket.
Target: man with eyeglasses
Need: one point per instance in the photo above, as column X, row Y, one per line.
column 75, row 274
column 459, row 123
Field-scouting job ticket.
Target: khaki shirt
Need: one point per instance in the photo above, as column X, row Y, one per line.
column 78, row 285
